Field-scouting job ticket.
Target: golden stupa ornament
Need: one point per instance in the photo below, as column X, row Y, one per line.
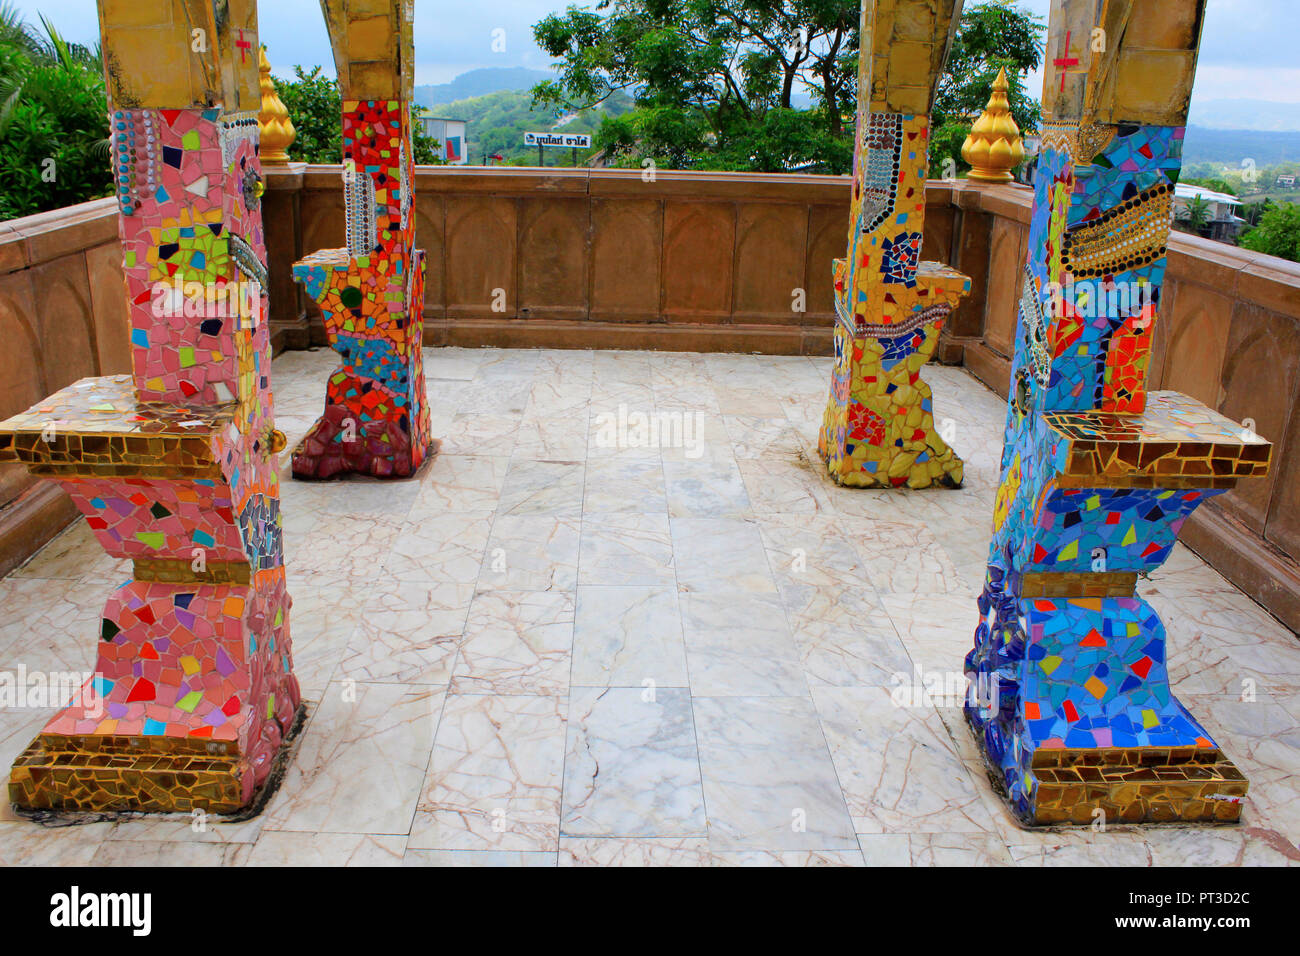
column 277, row 132
column 993, row 147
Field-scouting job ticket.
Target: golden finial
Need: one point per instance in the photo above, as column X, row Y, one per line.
column 993, row 147
column 277, row 132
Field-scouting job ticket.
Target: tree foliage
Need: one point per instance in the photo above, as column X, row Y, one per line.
column 1214, row 183
column 1278, row 232
column 53, row 120
column 717, row 84
column 713, row 81
column 993, row 35
column 316, row 107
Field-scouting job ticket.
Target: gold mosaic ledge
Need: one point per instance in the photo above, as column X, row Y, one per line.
column 181, row 571
column 98, row 428
column 107, row 773
column 126, row 773
column 1176, row 441
column 1077, row 584
column 1137, row 785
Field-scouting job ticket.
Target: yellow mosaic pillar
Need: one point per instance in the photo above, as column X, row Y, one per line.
column 878, row 429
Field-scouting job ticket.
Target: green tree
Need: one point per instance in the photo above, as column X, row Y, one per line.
column 1278, row 232
column 1210, row 182
column 713, row 81
column 992, row 35
column 316, row 108
column 53, row 120
column 1194, row 216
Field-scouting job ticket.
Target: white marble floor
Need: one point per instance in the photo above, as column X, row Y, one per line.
column 559, row 646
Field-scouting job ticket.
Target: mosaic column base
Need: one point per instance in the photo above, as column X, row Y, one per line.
column 376, row 419
column 152, row 774
column 1072, row 710
column 878, row 430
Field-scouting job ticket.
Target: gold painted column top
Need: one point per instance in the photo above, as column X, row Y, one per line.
column 180, row 54
column 993, row 147
column 1134, row 63
column 374, row 47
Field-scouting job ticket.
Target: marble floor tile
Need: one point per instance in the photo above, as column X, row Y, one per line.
column 788, row 858
column 495, row 779
column 705, row 489
column 625, row 636
column 26, row 843
column 844, row 637
column 499, row 858
column 769, row 783
column 626, row 550
column 739, row 644
column 516, row 642
column 408, row 633
column 720, row 554
column 763, row 438
column 620, row 485
column 288, row 848
column 532, row 553
column 553, row 437
column 811, row 551
column 459, row 484
column 447, row 549
column 784, row 487
column 899, row 769
column 632, row 768
column 360, row 760
column 470, row 433
column 903, row 557
column 542, row 488
column 684, row 851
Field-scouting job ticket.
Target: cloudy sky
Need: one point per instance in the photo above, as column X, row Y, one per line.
column 1248, row 47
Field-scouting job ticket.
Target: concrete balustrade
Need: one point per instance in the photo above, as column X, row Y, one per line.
column 688, row 261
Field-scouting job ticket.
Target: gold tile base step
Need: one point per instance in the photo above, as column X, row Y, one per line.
column 149, row 774
column 1137, row 785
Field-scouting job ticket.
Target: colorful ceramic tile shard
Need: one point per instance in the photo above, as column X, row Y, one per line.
column 174, row 466
column 878, row 429
column 371, row 292
column 1073, row 708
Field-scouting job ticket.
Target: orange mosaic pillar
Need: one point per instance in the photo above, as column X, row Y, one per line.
column 174, row 466
column 878, row 428
column 371, row 292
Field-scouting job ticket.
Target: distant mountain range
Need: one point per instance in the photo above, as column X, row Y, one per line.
column 1262, row 115
column 479, row 83
column 1231, row 146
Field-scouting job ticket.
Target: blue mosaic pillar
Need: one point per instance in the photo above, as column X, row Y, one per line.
column 1071, row 700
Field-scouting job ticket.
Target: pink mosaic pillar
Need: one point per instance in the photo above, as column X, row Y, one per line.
column 175, row 466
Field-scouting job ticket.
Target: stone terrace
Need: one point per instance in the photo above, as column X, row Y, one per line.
column 548, row 648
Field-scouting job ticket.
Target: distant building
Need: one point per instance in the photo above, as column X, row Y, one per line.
column 450, row 134
column 1224, row 224
column 1286, row 181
